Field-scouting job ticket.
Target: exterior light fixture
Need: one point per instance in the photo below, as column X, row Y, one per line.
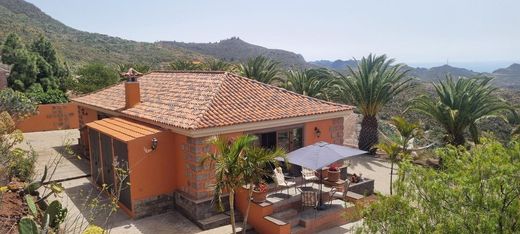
column 317, row 132
column 154, row 143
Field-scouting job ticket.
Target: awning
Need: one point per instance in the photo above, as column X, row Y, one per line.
column 122, row 129
column 321, row 154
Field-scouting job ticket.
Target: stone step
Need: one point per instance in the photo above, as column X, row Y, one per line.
column 298, row 229
column 286, row 214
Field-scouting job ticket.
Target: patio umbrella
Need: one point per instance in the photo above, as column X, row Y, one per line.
column 319, row 155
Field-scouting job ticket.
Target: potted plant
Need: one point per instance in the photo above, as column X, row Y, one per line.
column 260, row 192
column 333, row 174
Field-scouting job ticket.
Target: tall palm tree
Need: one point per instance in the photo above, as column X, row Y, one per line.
column 185, row 65
column 255, row 168
column 217, row 65
column 374, row 82
column 228, row 161
column 261, row 69
column 459, row 105
column 310, row 82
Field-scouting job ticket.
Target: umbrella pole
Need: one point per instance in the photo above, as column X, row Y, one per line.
column 320, row 202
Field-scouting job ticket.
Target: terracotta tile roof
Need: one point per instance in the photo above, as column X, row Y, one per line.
column 195, row 100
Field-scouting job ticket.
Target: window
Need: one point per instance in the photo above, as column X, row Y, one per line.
column 287, row 139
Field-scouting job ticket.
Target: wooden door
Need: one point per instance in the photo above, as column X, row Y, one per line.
column 107, row 159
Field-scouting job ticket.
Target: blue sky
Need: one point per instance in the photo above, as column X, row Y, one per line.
column 477, row 34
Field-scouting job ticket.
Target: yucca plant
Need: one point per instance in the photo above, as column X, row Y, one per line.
column 459, row 105
column 310, row 82
column 261, row 69
column 228, row 160
column 370, row 86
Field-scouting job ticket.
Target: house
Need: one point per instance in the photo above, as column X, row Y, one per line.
column 158, row 125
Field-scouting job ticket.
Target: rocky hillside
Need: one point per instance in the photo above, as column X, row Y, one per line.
column 237, row 50
column 509, row 76
column 77, row 46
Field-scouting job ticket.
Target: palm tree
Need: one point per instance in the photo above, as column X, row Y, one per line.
column 373, row 84
column 310, row 82
column 459, row 106
column 228, row 161
column 255, row 168
column 398, row 146
column 185, row 65
column 261, row 69
column 217, row 65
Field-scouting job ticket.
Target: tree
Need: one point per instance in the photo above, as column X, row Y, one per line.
column 94, row 76
column 185, row 65
column 260, row 69
column 372, row 85
column 142, row 68
column 38, row 63
column 228, row 160
column 255, row 168
column 398, row 146
column 16, row 104
column 477, row 191
column 217, row 65
column 459, row 106
column 310, row 82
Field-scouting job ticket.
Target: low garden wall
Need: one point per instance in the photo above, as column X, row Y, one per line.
column 51, row 117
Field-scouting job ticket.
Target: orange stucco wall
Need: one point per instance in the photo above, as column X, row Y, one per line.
column 310, row 137
column 257, row 213
column 155, row 172
column 51, row 117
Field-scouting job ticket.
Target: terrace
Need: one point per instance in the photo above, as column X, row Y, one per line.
column 282, row 212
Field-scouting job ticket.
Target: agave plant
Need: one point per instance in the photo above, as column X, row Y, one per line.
column 370, row 86
column 261, row 69
column 310, row 82
column 459, row 106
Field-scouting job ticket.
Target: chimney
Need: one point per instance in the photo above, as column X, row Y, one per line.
column 132, row 90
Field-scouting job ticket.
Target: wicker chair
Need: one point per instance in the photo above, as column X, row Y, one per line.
column 334, row 194
column 281, row 181
column 309, row 199
column 308, row 175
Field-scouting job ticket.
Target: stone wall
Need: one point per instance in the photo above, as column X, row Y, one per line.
column 199, row 177
column 351, row 129
column 154, row 205
column 336, row 131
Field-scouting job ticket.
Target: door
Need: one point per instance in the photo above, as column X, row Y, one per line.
column 121, row 156
column 95, row 164
column 107, row 158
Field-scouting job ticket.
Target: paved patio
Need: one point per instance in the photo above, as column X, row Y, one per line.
column 49, row 144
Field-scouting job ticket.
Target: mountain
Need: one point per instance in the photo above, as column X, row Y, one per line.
column 504, row 77
column 439, row 73
column 338, row 65
column 77, row 46
column 236, row 50
column 509, row 76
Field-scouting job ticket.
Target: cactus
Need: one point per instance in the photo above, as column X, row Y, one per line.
column 56, row 214
column 35, row 185
column 31, row 205
column 27, row 226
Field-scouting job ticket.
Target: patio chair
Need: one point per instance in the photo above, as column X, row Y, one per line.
column 280, row 180
column 309, row 199
column 334, row 194
column 308, row 175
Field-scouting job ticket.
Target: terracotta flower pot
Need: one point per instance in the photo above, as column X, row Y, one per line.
column 333, row 176
column 259, row 197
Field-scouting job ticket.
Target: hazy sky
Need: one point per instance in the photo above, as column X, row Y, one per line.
column 478, row 34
